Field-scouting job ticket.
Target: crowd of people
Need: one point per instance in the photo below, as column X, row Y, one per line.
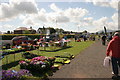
column 84, row 37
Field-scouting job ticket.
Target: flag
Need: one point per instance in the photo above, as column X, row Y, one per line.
column 105, row 30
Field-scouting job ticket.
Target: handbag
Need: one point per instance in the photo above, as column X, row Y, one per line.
column 107, row 61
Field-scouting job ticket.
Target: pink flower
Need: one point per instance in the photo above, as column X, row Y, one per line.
column 40, row 58
column 22, row 62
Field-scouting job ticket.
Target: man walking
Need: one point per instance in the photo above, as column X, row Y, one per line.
column 103, row 39
column 113, row 50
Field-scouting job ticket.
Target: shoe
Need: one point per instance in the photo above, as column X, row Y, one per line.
column 112, row 73
column 116, row 77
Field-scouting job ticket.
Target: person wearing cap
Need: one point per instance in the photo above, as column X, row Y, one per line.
column 113, row 50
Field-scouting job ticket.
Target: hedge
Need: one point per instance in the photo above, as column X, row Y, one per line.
column 32, row 36
column 10, row 36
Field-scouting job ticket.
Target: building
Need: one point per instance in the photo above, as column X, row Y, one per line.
column 47, row 31
column 22, row 30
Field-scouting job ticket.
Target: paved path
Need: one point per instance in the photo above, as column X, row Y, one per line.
column 88, row 64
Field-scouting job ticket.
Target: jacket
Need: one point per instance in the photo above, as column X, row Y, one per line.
column 113, row 48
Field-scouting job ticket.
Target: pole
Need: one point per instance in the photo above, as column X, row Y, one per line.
column 105, row 30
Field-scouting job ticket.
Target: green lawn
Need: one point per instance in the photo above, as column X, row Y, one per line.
column 9, row 62
column 74, row 49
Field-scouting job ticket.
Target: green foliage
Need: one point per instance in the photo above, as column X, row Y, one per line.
column 52, row 30
column 26, row 32
column 28, row 55
column 9, row 37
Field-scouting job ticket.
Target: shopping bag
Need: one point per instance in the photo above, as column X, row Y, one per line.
column 107, row 61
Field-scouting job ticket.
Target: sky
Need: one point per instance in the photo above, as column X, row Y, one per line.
column 69, row 15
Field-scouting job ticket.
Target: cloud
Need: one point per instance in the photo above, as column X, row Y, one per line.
column 54, row 7
column 115, row 17
column 88, row 19
column 62, row 19
column 57, row 17
column 97, row 25
column 29, row 21
column 22, row 17
column 41, row 15
column 61, row 16
column 105, row 3
column 100, row 22
column 6, row 26
column 75, row 12
column 16, row 7
column 74, row 15
column 112, row 26
column 104, row 21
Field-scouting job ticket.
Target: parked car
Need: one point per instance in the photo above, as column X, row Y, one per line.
column 19, row 39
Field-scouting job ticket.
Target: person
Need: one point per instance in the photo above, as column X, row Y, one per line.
column 41, row 42
column 8, row 46
column 76, row 37
column 84, row 37
column 65, row 37
column 99, row 37
column 110, row 37
column 103, row 39
column 62, row 41
column 35, row 41
column 113, row 50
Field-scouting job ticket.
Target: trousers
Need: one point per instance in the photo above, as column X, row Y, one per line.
column 115, row 65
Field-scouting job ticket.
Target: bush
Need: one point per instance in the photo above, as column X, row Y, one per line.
column 28, row 55
column 10, row 36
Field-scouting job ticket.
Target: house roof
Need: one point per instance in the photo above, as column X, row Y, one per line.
column 24, row 28
column 21, row 28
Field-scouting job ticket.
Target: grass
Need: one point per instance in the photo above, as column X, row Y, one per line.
column 11, row 62
column 74, row 49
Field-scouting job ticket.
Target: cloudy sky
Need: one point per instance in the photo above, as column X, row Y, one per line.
column 69, row 15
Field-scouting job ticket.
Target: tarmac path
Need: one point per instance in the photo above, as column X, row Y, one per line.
column 87, row 64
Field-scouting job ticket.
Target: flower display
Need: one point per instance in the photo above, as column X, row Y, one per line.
column 40, row 58
column 23, row 62
column 14, row 75
column 37, row 64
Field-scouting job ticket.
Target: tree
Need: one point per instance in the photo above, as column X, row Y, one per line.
column 26, row 32
column 52, row 30
column 102, row 32
column 8, row 32
column 85, row 31
column 96, row 33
